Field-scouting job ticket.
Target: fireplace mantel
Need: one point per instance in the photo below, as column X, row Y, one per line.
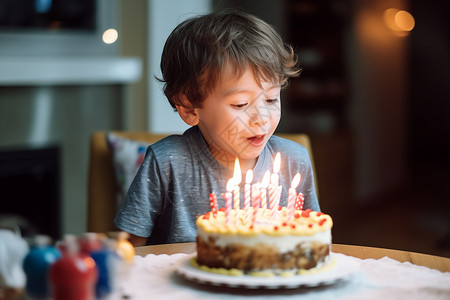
column 68, row 70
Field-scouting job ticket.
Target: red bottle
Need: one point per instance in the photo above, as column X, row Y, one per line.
column 74, row 275
column 89, row 242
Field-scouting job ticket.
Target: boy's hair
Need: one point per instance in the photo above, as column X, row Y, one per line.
column 198, row 48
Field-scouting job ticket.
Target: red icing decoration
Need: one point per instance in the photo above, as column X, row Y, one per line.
column 275, row 228
column 310, row 225
column 296, row 215
column 293, row 226
column 306, row 213
column 285, row 224
column 322, row 221
column 222, row 209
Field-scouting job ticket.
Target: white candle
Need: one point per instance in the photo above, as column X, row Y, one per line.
column 228, row 200
column 237, row 177
column 292, row 195
column 276, row 168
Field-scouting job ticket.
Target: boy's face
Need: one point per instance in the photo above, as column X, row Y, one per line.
column 238, row 117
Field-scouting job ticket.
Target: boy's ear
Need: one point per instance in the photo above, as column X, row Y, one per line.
column 187, row 112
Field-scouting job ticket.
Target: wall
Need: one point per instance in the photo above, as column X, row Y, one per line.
column 64, row 116
column 379, row 70
column 163, row 16
column 58, row 87
column 133, row 37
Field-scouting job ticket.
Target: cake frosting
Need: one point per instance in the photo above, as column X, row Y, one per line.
column 264, row 240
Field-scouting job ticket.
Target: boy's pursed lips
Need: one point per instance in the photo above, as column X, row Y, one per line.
column 257, row 140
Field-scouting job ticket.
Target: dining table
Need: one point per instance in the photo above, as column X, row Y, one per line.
column 361, row 272
column 363, row 252
column 168, row 271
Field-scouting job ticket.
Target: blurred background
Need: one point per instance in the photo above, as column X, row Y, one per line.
column 374, row 96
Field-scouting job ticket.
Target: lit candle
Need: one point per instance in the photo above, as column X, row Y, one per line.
column 228, row 200
column 213, row 203
column 264, row 185
column 276, row 169
column 247, row 188
column 293, row 195
column 237, row 176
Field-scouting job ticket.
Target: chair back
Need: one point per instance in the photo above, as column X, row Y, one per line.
column 102, row 186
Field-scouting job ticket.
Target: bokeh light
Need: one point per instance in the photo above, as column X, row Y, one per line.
column 399, row 21
column 110, row 36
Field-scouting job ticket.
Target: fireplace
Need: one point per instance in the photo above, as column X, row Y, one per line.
column 30, row 187
column 44, row 144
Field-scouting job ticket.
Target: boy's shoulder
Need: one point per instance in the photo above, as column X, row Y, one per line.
column 174, row 143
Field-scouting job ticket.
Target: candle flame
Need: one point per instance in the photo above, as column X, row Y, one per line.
column 230, row 184
column 249, row 176
column 276, row 163
column 237, row 172
column 295, row 182
column 266, row 179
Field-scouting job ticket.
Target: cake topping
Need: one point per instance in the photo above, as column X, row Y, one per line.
column 239, row 223
column 259, row 215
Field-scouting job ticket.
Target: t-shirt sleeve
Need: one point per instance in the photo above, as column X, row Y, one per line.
column 143, row 201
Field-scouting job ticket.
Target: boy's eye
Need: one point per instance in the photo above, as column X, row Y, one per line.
column 272, row 101
column 239, row 106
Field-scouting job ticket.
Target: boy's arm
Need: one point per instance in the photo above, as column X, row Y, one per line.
column 137, row 241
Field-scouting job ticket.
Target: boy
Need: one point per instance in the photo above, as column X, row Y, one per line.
column 223, row 73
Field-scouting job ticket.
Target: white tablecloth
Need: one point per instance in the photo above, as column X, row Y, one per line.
column 154, row 277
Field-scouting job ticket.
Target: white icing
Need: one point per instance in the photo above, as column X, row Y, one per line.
column 284, row 243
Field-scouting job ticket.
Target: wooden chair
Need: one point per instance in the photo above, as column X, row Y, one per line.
column 102, row 186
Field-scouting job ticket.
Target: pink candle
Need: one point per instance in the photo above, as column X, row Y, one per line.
column 247, row 188
column 256, row 192
column 264, row 185
column 292, row 195
column 256, row 201
column 276, row 202
column 228, row 200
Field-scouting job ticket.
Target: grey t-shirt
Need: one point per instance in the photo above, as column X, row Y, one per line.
column 172, row 186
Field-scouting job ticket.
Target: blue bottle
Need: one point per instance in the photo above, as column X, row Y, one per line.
column 106, row 261
column 36, row 266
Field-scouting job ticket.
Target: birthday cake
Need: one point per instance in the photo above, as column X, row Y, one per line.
column 261, row 241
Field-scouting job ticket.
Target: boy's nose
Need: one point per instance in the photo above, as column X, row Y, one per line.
column 257, row 119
